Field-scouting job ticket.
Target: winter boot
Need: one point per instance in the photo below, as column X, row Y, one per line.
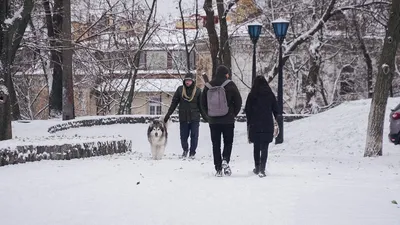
column 256, row 170
column 184, row 154
column 218, row 173
column 262, row 170
column 192, row 155
column 226, row 168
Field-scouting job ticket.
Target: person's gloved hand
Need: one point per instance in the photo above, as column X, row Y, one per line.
column 276, row 129
column 166, row 118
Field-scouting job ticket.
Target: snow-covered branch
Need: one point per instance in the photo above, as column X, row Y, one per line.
column 17, row 15
column 289, row 48
column 316, row 27
column 337, row 80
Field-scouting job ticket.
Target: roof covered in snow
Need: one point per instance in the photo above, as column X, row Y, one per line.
column 142, row 85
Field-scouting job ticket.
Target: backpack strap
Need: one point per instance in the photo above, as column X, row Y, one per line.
column 225, row 83
column 208, row 85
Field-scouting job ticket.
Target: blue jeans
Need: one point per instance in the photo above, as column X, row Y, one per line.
column 189, row 129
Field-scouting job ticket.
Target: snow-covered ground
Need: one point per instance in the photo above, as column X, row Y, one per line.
column 318, row 176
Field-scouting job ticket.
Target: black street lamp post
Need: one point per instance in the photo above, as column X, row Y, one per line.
column 254, row 32
column 280, row 29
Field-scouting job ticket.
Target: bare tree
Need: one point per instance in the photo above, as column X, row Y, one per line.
column 212, row 33
column 67, row 79
column 185, row 38
column 125, row 106
column 332, row 9
column 219, row 44
column 54, row 21
column 365, row 52
column 13, row 22
column 224, row 48
column 386, row 71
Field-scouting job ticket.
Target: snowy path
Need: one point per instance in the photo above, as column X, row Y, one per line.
column 105, row 190
column 318, row 176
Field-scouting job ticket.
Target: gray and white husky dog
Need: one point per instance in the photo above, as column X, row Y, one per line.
column 157, row 134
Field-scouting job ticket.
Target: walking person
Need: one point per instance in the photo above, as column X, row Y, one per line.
column 221, row 101
column 260, row 108
column 188, row 98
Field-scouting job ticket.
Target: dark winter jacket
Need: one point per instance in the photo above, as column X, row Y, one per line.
column 260, row 109
column 232, row 95
column 189, row 108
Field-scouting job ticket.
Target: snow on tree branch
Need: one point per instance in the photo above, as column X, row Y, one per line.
column 230, row 5
column 318, row 25
column 3, row 88
column 17, row 15
column 302, row 38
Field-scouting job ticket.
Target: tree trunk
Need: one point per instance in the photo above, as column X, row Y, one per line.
column 5, row 112
column 323, row 91
column 15, row 111
column 125, row 105
column 129, row 100
column 224, row 49
column 187, row 53
column 10, row 39
column 212, row 34
column 67, row 78
column 386, row 70
column 54, row 26
column 366, row 55
column 17, row 32
column 312, row 78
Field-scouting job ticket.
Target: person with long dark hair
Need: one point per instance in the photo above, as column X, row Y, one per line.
column 261, row 108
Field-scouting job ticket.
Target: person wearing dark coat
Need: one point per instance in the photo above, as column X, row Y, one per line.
column 223, row 125
column 261, row 108
column 188, row 97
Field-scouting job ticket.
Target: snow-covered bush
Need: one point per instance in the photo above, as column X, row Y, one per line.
column 60, row 148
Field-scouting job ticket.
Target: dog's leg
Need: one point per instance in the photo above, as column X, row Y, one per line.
column 161, row 151
column 154, row 152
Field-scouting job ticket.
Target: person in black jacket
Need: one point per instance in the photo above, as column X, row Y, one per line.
column 260, row 108
column 187, row 97
column 224, row 125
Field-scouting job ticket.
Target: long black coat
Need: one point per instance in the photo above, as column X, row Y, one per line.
column 260, row 109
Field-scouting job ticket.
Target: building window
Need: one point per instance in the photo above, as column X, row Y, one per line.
column 192, row 60
column 169, row 60
column 142, row 60
column 179, row 60
column 155, row 105
column 156, row 60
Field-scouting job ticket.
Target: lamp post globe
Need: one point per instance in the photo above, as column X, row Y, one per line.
column 280, row 29
column 254, row 30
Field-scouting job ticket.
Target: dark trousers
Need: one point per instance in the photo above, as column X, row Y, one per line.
column 227, row 131
column 189, row 129
column 260, row 149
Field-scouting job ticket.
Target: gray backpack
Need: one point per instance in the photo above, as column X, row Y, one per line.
column 216, row 100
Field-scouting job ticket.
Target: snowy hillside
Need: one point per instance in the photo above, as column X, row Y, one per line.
column 318, row 176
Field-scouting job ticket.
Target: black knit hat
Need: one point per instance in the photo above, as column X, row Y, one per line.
column 222, row 71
